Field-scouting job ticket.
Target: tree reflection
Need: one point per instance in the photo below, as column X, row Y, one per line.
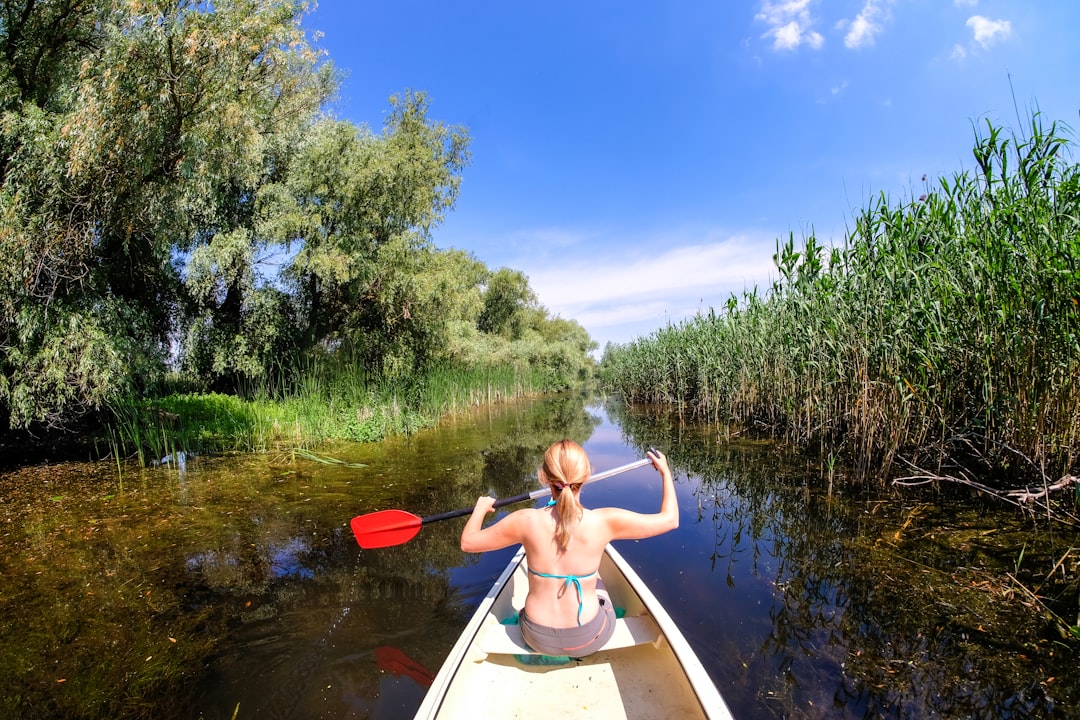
column 239, row 583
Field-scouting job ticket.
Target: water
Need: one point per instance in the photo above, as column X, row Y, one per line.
column 231, row 586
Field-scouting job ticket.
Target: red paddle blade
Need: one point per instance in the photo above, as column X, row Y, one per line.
column 385, row 528
column 395, row 661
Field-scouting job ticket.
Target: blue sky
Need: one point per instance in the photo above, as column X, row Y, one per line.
column 638, row 161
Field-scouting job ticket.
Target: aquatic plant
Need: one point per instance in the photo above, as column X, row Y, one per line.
column 946, row 327
column 321, row 402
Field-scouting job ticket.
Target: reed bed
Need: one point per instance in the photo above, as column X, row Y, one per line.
column 945, row 327
column 321, row 402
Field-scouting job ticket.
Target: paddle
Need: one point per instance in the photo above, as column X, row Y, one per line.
column 395, row 661
column 386, row 528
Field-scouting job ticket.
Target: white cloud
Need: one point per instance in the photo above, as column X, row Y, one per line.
column 837, row 89
column 690, row 268
column 778, row 13
column 968, row 3
column 861, row 32
column 618, row 294
column 787, row 36
column 867, row 24
column 988, row 31
column 790, row 24
column 958, row 52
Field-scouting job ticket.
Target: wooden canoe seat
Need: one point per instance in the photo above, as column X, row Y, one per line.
column 497, row 639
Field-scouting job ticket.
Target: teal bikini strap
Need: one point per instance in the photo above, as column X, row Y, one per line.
column 567, row 579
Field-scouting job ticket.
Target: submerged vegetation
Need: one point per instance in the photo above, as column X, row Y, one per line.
column 942, row 338
column 186, row 592
column 951, row 591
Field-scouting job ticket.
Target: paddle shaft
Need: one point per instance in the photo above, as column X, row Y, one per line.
column 502, row 502
column 386, row 528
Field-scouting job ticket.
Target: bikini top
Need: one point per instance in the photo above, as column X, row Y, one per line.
column 568, row 579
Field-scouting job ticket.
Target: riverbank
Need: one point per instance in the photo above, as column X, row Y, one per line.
column 318, row 407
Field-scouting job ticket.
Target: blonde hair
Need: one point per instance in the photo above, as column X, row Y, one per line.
column 566, row 467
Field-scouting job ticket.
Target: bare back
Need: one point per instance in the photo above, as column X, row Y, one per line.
column 554, row 601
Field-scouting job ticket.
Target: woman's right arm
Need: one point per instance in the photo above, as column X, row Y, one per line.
column 627, row 525
column 477, row 538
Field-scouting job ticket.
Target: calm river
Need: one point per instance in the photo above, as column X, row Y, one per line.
column 231, row 587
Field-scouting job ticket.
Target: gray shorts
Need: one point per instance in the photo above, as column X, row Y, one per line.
column 575, row 641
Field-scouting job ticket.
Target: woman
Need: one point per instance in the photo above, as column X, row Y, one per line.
column 567, row 610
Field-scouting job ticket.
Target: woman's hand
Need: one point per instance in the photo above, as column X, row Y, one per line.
column 659, row 461
column 476, row 538
column 626, row 525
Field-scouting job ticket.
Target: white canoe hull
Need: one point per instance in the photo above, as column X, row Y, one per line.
column 647, row 671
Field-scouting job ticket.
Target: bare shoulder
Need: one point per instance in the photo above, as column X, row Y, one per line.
column 523, row 515
column 613, row 517
column 530, row 517
column 607, row 513
column 622, row 524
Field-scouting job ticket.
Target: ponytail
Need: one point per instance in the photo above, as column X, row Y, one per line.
column 565, row 469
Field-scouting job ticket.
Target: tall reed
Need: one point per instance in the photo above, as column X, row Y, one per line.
column 326, row 399
column 943, row 326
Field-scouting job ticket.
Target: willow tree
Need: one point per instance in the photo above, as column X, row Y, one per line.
column 132, row 134
column 354, row 214
column 507, row 298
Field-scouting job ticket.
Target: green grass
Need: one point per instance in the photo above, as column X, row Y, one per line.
column 944, row 327
column 321, row 403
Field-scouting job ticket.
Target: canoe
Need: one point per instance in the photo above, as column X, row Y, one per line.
column 647, row 670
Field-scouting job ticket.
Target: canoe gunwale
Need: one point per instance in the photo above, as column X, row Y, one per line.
column 711, row 702
column 708, row 695
column 429, row 708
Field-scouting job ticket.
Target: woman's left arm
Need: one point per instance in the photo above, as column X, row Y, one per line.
column 476, row 538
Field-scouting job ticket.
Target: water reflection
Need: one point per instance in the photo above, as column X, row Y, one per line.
column 231, row 587
column 815, row 607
